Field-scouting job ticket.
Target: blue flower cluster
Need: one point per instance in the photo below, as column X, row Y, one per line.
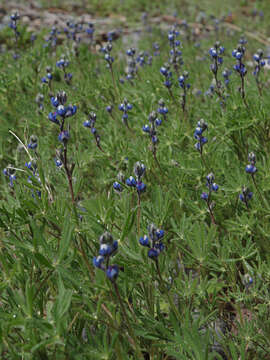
column 51, row 40
column 162, row 108
column 185, row 86
column 116, row 185
column 238, row 54
column 107, row 51
column 212, row 186
column 48, row 78
column 108, row 248
column 90, row 31
column 109, row 109
column 251, row 168
column 151, row 129
column 165, row 71
column 13, row 24
column 125, row 106
column 175, row 52
column 63, row 112
column 11, row 174
column 139, row 170
column 259, row 61
column 90, row 123
column 131, row 70
column 156, row 48
column 72, row 30
column 198, row 135
column 33, row 142
column 216, row 53
column 40, row 102
column 32, row 165
column 144, row 58
column 62, row 64
column 153, row 241
column 183, row 81
column 246, row 195
column 226, row 76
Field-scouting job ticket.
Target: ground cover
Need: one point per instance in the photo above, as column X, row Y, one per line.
column 134, row 199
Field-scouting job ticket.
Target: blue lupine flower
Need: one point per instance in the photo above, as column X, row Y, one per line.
column 115, row 245
column 30, row 165
column 182, row 81
column 153, row 253
column 33, row 143
column 210, row 179
column 32, row 146
column 53, row 118
column 164, row 70
column 144, row 241
column 106, row 238
column 112, row 272
column 238, row 54
column 212, row 186
column 90, row 123
column 140, row 187
column 58, row 162
column 198, row 135
column 70, row 110
column 158, row 122
column 246, row 195
column 12, row 178
column 98, row 261
column 204, row 196
column 153, row 241
column 131, row 181
column 151, row 130
column 162, row 109
column 160, row 233
column 125, row 106
column 159, row 246
column 64, row 136
column 251, row 169
column 107, row 57
column 117, row 187
column 175, row 53
column 146, row 128
column 109, row 108
column 54, row 101
column 11, row 174
column 105, row 249
column 139, row 169
column 90, row 30
column 61, row 110
column 87, row 123
column 259, row 64
column 226, row 73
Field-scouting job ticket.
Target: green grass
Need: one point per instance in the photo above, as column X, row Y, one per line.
column 54, row 303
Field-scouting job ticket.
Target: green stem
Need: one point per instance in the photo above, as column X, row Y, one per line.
column 164, row 287
column 138, row 213
column 130, row 330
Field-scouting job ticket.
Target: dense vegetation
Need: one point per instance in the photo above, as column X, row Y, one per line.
column 134, row 208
